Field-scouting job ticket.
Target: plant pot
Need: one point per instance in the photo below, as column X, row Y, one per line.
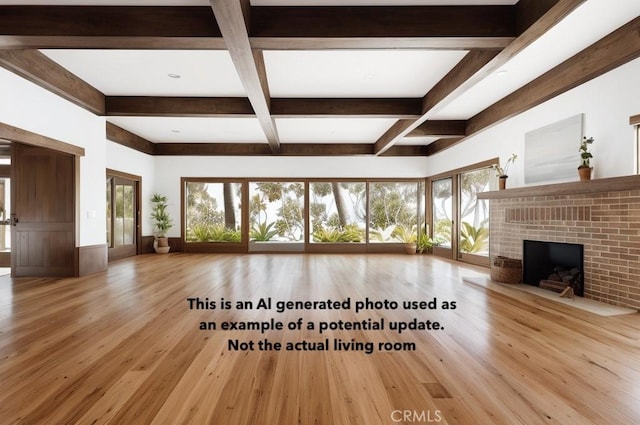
column 585, row 173
column 161, row 245
column 410, row 247
column 502, row 182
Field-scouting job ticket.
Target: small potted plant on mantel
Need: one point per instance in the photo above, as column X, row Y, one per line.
column 585, row 168
column 502, row 171
column 162, row 223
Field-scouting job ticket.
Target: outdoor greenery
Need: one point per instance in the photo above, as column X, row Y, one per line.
column 349, row 233
column 277, row 207
column 213, row 212
column 392, row 204
column 337, row 211
column 473, row 239
column 203, row 232
column 262, row 232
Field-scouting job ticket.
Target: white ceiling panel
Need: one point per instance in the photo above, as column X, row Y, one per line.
column 417, row 141
column 339, row 73
column 146, row 72
column 566, row 39
column 332, row 130
column 173, row 129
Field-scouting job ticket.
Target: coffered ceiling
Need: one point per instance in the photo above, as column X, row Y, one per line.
column 311, row 77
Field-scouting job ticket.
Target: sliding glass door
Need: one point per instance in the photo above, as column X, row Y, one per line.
column 276, row 216
column 213, row 215
column 459, row 219
column 306, row 215
column 473, row 232
column 442, row 216
column 337, row 212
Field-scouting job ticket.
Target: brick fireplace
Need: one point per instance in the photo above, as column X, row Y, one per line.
column 603, row 215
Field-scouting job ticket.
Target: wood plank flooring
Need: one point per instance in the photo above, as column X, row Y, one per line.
column 122, row 347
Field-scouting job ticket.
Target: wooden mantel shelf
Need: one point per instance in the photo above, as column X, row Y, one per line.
column 613, row 184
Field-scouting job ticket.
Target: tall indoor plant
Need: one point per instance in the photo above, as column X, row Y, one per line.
column 162, row 223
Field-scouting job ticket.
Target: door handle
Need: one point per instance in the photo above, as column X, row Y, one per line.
column 13, row 220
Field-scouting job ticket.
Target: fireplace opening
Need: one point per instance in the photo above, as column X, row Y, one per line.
column 553, row 265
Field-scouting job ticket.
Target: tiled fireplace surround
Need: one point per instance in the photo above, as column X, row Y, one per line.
column 603, row 215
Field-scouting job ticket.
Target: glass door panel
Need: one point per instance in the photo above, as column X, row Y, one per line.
column 393, row 212
column 442, row 201
column 276, row 216
column 337, row 212
column 213, row 212
column 474, row 215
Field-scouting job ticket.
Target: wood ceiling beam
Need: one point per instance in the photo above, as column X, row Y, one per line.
column 39, row 69
column 126, row 138
column 385, row 27
column 212, row 149
column 610, row 52
column 233, row 21
column 345, row 107
column 280, row 28
column 442, row 128
column 286, row 149
column 158, row 106
column 144, row 27
column 441, row 144
column 9, row 133
column 477, row 65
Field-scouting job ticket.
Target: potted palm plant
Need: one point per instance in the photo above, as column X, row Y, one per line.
column 162, row 223
column 408, row 236
column 585, row 168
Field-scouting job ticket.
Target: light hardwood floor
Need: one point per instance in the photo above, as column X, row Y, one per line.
column 122, row 347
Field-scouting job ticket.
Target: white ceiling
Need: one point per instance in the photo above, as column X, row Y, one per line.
column 320, row 73
column 567, row 38
column 331, row 130
column 146, row 72
column 340, row 73
column 193, row 130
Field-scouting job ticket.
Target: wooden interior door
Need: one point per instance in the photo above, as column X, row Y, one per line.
column 43, row 212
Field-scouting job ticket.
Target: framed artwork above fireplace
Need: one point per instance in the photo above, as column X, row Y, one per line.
column 551, row 152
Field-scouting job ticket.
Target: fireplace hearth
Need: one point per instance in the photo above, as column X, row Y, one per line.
column 553, row 265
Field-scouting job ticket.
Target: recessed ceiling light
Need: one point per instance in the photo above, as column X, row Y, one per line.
column 174, row 75
column 175, row 131
column 502, row 72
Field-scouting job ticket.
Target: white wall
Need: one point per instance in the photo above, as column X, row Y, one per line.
column 169, row 169
column 123, row 159
column 27, row 106
column 607, row 102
